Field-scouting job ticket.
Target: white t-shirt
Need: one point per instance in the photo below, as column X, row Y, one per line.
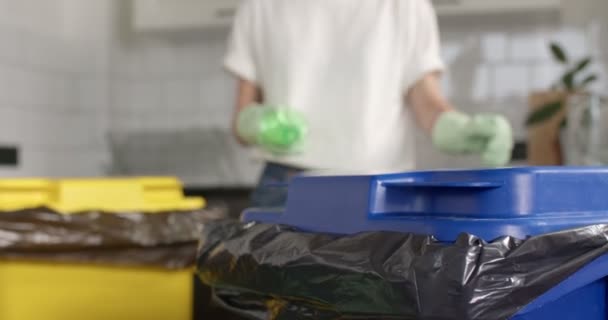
column 346, row 65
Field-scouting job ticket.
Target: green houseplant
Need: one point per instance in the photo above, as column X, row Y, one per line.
column 575, row 79
column 547, row 118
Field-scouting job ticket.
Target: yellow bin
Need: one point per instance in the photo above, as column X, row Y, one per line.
column 51, row 291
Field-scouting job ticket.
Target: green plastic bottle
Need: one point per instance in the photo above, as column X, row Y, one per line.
column 277, row 130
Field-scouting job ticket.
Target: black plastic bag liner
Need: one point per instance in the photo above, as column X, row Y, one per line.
column 167, row 239
column 275, row 272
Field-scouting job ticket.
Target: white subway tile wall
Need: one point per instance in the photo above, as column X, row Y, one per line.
column 494, row 46
column 52, row 94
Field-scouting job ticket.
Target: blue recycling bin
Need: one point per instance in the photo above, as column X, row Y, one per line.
column 518, row 202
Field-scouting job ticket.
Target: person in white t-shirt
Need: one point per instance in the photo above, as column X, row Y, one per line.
column 361, row 74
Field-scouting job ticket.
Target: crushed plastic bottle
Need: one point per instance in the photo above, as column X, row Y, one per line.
column 277, row 130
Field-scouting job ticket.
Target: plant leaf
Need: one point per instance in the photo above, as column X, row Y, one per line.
column 570, row 77
column 568, row 80
column 544, row 113
column 558, row 53
column 583, row 64
column 590, row 79
column 564, row 123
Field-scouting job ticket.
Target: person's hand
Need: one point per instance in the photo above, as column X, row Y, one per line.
column 489, row 135
column 277, row 130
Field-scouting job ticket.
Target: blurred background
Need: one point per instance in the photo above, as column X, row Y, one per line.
column 118, row 87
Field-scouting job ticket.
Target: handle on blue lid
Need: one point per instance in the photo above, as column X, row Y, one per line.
column 432, row 184
column 412, row 197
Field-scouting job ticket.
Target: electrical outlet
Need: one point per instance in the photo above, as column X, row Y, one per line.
column 9, row 156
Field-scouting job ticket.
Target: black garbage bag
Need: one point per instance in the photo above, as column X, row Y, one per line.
column 276, row 272
column 166, row 239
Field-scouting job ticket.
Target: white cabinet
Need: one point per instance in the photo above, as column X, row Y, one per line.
column 183, row 14
column 198, row 14
column 472, row 7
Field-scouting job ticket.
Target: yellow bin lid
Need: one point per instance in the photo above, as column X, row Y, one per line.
column 144, row 194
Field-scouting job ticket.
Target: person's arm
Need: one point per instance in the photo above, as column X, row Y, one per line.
column 240, row 62
column 454, row 132
column 248, row 94
column 489, row 135
column 427, row 101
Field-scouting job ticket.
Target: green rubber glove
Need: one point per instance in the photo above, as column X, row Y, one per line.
column 277, row 130
column 488, row 135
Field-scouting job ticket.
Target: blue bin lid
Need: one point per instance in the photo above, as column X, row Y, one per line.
column 517, row 202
